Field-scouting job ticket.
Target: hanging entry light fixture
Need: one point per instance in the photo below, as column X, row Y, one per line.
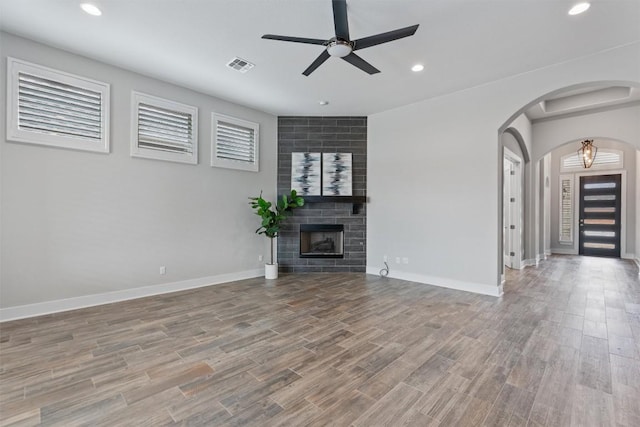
column 588, row 153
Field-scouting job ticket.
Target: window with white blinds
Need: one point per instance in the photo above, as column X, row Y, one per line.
column 54, row 108
column 164, row 129
column 234, row 143
column 606, row 158
column 566, row 208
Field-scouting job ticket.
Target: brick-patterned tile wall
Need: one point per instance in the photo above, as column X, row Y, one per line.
column 323, row 135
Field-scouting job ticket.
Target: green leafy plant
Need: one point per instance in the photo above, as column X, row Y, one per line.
column 272, row 216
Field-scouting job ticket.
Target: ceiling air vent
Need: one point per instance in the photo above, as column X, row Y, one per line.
column 240, row 64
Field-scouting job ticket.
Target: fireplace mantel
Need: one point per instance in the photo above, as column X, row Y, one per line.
column 356, row 201
column 335, row 199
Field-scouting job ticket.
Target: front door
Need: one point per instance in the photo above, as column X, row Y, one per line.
column 599, row 226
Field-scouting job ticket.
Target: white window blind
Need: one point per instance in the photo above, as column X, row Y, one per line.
column 566, row 209
column 53, row 108
column 163, row 129
column 606, row 158
column 235, row 143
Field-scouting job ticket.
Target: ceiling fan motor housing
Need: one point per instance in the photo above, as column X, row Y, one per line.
column 339, row 48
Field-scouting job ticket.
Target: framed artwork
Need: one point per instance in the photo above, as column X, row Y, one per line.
column 306, row 173
column 337, row 174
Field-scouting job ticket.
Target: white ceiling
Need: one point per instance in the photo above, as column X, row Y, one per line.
column 462, row 43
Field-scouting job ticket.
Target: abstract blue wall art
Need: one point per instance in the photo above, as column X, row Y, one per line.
column 306, row 173
column 336, row 174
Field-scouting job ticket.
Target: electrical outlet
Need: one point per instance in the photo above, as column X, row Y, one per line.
column 397, row 260
column 163, row 270
column 385, row 258
column 259, row 257
column 405, row 260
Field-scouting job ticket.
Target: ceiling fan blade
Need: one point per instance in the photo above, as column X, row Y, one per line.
column 384, row 37
column 315, row 64
column 340, row 19
column 294, row 39
column 354, row 59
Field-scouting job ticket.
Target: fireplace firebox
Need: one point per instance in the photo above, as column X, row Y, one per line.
column 321, row 241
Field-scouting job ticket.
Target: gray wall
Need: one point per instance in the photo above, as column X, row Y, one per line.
column 433, row 172
column 630, row 207
column 545, row 205
column 622, row 124
column 637, row 209
column 323, row 135
column 75, row 223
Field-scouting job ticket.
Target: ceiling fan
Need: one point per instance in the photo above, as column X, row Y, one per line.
column 341, row 46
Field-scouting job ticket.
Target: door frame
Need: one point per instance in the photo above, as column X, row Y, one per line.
column 517, row 184
column 623, row 207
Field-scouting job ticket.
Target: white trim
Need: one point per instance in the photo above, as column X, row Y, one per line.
column 637, row 260
column 529, row 262
column 564, row 251
column 167, row 104
column 442, row 282
column 15, row 134
column 56, row 306
column 627, row 256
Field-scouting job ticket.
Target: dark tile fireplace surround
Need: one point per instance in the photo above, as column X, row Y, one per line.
column 326, row 216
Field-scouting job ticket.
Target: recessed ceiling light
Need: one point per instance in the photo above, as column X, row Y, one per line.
column 91, row 9
column 579, row 8
column 416, row 68
column 323, row 102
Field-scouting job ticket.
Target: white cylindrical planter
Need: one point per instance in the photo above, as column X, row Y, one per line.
column 271, row 271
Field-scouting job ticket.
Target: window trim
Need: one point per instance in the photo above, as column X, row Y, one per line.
column 231, row 164
column 561, row 239
column 15, row 134
column 147, row 153
column 596, row 165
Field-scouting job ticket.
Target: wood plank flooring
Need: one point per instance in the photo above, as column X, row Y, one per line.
column 560, row 348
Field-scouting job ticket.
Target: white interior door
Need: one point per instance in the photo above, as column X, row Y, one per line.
column 512, row 211
column 506, row 213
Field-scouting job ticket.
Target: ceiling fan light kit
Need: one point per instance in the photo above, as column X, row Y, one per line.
column 341, row 46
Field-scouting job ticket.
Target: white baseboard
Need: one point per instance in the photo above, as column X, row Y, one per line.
column 628, row 256
column 637, row 260
column 530, row 262
column 564, row 251
column 476, row 288
column 547, row 252
column 56, row 306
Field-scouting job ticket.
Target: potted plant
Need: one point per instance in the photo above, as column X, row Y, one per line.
column 272, row 217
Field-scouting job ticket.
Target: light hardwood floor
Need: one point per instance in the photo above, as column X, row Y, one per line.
column 560, row 348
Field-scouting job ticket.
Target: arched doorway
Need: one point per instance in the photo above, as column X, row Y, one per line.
column 615, row 119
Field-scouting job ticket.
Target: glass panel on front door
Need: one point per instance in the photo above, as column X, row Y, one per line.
column 600, row 214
